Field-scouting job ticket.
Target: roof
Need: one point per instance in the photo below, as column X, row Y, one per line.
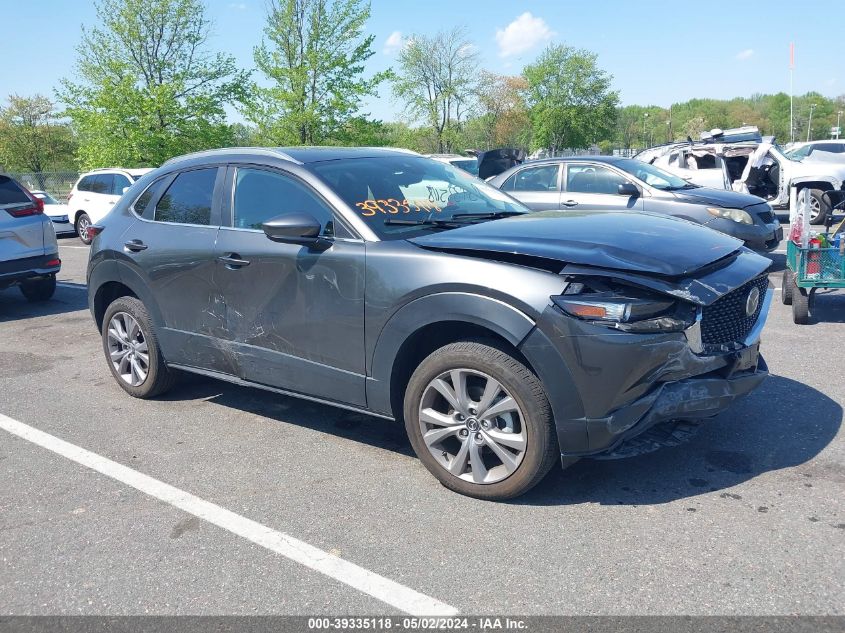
column 135, row 171
column 299, row 155
column 571, row 159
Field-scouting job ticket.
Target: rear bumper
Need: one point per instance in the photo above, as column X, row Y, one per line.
column 16, row 270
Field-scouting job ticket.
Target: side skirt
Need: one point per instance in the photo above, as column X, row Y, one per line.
column 246, row 383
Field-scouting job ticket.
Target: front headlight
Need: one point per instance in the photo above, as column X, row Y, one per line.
column 629, row 310
column 737, row 215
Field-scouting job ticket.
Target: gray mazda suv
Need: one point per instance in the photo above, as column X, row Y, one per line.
column 384, row 282
column 625, row 184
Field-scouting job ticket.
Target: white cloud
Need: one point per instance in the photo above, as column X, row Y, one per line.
column 239, row 6
column 523, row 34
column 746, row 54
column 393, row 43
column 831, row 81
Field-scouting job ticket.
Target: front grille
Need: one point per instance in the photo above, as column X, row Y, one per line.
column 725, row 321
column 767, row 217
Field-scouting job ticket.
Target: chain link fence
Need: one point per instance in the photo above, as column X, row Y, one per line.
column 57, row 183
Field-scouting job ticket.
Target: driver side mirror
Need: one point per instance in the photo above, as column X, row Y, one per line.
column 295, row 228
column 628, row 189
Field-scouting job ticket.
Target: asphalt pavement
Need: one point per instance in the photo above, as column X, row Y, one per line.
column 290, row 507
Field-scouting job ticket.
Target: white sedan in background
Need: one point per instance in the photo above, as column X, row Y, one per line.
column 57, row 212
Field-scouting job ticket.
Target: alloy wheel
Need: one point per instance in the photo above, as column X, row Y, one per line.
column 815, row 207
column 472, row 426
column 82, row 227
column 128, row 350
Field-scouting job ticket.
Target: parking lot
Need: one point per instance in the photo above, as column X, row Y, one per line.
column 745, row 518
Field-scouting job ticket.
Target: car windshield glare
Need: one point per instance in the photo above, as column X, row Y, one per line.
column 382, row 190
column 651, row 175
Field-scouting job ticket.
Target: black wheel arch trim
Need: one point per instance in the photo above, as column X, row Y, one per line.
column 512, row 325
column 111, row 271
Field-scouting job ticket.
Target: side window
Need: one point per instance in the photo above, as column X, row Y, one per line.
column 118, row 183
column 86, row 184
column 262, row 195
column 149, row 193
column 101, row 183
column 592, row 179
column 188, row 199
column 534, row 179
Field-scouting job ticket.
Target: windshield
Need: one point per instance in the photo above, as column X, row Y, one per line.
column 798, row 154
column 653, row 176
column 395, row 194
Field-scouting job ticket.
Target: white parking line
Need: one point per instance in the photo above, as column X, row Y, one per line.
column 69, row 246
column 388, row 591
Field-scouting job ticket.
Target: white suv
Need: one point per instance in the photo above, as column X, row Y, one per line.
column 94, row 195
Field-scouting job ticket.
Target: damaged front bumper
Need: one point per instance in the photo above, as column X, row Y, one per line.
column 698, row 397
column 607, row 387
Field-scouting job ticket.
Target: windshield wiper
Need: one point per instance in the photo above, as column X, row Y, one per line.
column 440, row 224
column 487, row 216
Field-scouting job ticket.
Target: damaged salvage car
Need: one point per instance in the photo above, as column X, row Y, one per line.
column 387, row 283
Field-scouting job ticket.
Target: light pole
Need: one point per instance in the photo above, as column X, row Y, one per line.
column 645, row 116
column 810, row 122
column 838, row 119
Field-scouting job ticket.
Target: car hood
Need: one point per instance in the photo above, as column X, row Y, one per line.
column 717, row 198
column 634, row 242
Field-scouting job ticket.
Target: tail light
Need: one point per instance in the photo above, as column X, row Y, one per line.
column 69, row 196
column 53, row 262
column 93, row 230
column 36, row 208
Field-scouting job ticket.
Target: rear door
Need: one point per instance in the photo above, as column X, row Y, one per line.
column 537, row 187
column 171, row 249
column 591, row 186
column 21, row 230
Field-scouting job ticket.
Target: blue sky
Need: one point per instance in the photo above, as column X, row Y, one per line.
column 658, row 52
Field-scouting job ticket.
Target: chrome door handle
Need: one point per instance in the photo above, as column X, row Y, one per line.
column 233, row 261
column 570, row 203
column 135, row 246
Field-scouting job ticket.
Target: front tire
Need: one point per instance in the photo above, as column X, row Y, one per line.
column 132, row 351
column 819, row 206
column 800, row 304
column 81, row 225
column 39, row 289
column 480, row 421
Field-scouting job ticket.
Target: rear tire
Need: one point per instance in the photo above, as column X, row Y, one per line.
column 820, row 205
column 138, row 346
column 81, row 225
column 786, row 287
column 523, row 422
column 39, row 289
column 800, row 304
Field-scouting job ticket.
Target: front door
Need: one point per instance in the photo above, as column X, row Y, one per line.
column 589, row 186
column 294, row 314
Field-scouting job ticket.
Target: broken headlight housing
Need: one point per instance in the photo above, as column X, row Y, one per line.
column 737, row 215
column 625, row 308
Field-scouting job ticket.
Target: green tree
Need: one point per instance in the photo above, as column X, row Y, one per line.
column 313, row 55
column 570, row 99
column 436, row 83
column 32, row 137
column 147, row 87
